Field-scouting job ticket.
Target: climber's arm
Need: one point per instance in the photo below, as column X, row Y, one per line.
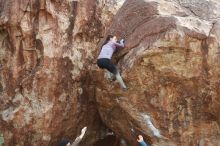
column 143, row 143
column 79, row 138
column 141, row 140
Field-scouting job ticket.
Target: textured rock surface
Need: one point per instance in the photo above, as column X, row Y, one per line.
column 171, row 66
column 50, row 87
column 46, row 48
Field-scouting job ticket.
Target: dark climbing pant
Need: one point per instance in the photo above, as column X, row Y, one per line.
column 105, row 63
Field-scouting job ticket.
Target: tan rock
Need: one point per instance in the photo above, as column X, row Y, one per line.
column 171, row 68
column 46, row 88
column 50, row 87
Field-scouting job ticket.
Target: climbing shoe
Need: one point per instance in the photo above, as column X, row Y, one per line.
column 125, row 89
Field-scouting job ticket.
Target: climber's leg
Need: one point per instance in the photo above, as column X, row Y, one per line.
column 110, row 76
column 107, row 64
column 103, row 63
column 120, row 80
column 111, row 68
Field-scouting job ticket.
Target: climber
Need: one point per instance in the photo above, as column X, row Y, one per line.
column 65, row 142
column 141, row 140
column 104, row 58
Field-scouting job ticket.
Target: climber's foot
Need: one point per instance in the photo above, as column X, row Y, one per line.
column 125, row 88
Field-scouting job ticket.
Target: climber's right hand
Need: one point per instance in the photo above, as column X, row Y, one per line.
column 122, row 41
column 140, row 138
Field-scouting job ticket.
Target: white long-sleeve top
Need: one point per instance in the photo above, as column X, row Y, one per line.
column 109, row 48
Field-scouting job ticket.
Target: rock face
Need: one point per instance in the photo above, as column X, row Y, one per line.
column 50, row 87
column 46, row 49
column 171, row 66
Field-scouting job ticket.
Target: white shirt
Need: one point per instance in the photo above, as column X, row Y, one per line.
column 109, row 48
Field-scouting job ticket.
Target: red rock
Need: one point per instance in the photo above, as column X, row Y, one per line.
column 168, row 66
column 46, row 47
column 50, row 87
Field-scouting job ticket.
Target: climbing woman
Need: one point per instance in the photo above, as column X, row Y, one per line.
column 104, row 58
column 141, row 140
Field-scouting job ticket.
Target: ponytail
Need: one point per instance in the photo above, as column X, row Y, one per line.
column 107, row 40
